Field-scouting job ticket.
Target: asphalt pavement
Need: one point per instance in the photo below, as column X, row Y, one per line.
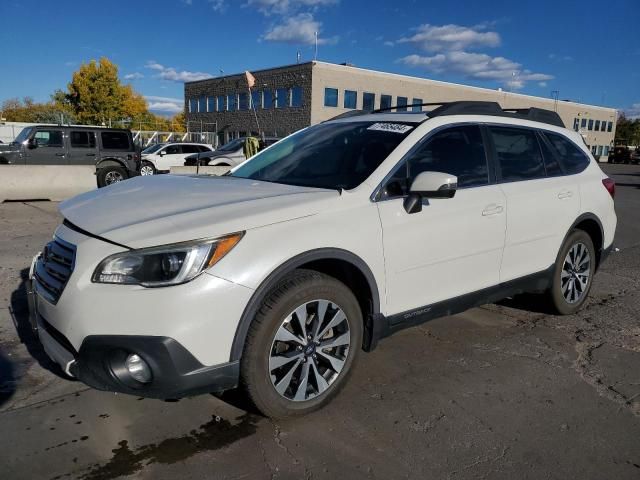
column 501, row 391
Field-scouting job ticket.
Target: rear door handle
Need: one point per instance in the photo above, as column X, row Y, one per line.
column 59, row 154
column 91, row 154
column 492, row 209
column 565, row 194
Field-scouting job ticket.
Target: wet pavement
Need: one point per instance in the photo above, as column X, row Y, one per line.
column 501, row 391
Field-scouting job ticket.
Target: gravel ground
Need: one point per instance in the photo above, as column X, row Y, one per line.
column 500, row 391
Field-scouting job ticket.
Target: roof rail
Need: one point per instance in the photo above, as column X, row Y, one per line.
column 472, row 108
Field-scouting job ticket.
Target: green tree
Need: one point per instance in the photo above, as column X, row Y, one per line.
column 627, row 131
column 26, row 110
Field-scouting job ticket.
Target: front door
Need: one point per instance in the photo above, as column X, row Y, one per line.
column 170, row 156
column 453, row 246
column 50, row 148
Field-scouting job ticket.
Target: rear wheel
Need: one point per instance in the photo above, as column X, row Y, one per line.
column 573, row 273
column 110, row 175
column 301, row 345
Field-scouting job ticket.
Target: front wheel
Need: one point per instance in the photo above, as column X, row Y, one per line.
column 301, row 345
column 147, row 168
column 573, row 273
column 110, row 175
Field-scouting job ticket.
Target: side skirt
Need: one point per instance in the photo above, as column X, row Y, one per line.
column 386, row 326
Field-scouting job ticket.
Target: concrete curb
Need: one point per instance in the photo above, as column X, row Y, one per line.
column 45, row 182
column 205, row 170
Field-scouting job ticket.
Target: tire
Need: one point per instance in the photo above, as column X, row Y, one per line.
column 110, row 175
column 273, row 369
column 147, row 168
column 571, row 285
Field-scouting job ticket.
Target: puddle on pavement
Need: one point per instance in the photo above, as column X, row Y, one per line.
column 213, row 435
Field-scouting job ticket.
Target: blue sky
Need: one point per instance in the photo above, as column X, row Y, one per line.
column 587, row 50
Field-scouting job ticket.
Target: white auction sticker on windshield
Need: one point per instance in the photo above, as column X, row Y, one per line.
column 390, row 127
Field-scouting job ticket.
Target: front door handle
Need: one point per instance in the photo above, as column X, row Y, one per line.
column 565, row 194
column 492, row 209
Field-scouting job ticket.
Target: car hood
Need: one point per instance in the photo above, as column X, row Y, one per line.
column 161, row 209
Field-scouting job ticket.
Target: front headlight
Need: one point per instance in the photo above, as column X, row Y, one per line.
column 165, row 265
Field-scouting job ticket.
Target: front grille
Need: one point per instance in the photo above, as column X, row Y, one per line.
column 53, row 269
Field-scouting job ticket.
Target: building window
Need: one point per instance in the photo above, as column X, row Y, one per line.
column 243, row 101
column 609, row 126
column 597, row 126
column 606, row 150
column 590, row 125
column 231, row 102
column 296, row 97
column 350, row 99
column 368, row 101
column 330, row 97
column 416, row 105
column 593, row 149
column 583, row 123
column 401, row 103
column 268, row 99
column 576, row 124
column 256, row 99
column 193, row 105
column 282, row 97
column 221, row 103
column 385, row 101
column 211, row 104
column 600, row 150
column 202, row 104
column 603, row 126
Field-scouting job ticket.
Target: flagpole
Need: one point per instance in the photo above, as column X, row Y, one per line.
column 255, row 114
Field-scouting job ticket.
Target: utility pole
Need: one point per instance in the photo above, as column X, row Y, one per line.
column 315, row 57
column 555, row 94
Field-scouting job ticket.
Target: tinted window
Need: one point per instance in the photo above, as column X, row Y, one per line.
column 330, row 97
column 173, row 149
column 573, row 159
column 328, row 155
column 368, row 101
column 457, row 150
column 551, row 164
column 518, row 154
column 350, row 99
column 385, row 101
column 402, row 104
column 243, row 101
column 49, row 138
column 82, row 139
column 190, row 149
column 202, row 148
column 115, row 140
column 268, row 99
column 256, row 99
column 282, row 100
column 296, row 97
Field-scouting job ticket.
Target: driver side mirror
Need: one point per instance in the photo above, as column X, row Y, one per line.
column 162, row 153
column 429, row 185
column 32, row 143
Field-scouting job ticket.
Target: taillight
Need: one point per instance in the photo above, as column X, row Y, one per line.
column 610, row 185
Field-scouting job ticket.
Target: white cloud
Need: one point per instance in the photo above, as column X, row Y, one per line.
column 542, row 84
column 187, row 2
column 440, row 38
column 133, row 76
column 268, row 7
column 632, row 112
column 217, row 5
column 165, row 104
column 173, row 75
column 388, row 43
column 479, row 66
column 298, row 30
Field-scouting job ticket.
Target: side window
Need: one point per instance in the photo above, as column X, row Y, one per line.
column 115, row 140
column 573, row 158
column 518, row 154
column 202, row 148
column 82, row 139
column 551, row 163
column 49, row 138
column 190, row 149
column 457, row 150
column 173, row 149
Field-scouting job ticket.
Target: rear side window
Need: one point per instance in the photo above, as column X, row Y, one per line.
column 82, row 139
column 573, row 159
column 190, row 149
column 173, row 149
column 457, row 150
column 518, row 154
column 115, row 140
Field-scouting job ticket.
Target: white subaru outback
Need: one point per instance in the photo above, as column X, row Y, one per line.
column 275, row 276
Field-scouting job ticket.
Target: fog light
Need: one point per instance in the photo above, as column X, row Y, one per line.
column 138, row 368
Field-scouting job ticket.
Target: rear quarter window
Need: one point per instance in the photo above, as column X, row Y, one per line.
column 573, row 158
column 115, row 141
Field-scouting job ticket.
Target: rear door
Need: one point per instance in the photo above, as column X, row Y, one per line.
column 50, row 149
column 83, row 149
column 542, row 202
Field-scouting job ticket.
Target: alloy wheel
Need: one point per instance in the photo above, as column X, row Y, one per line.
column 113, row 177
column 576, row 273
column 146, row 170
column 309, row 350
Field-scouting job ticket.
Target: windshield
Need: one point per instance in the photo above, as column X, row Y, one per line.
column 232, row 145
column 23, row 135
column 153, row 148
column 329, row 155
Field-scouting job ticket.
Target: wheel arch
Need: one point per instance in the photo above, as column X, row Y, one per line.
column 110, row 162
column 337, row 263
column 591, row 224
